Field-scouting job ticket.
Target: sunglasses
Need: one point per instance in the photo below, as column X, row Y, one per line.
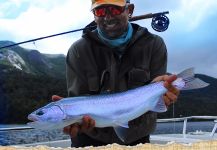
column 112, row 10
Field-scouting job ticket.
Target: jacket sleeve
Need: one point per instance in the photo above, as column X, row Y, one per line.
column 158, row 64
column 75, row 75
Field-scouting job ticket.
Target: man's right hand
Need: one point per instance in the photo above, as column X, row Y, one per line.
column 86, row 125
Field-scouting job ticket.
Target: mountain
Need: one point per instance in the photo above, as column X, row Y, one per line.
column 28, row 79
column 22, row 92
column 32, row 61
column 3, row 102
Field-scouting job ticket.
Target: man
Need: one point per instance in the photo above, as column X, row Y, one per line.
column 114, row 57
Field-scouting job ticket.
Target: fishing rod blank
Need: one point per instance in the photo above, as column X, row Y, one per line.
column 160, row 23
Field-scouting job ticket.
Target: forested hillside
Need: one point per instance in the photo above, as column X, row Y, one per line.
column 21, row 93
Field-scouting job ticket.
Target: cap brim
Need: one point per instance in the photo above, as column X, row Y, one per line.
column 108, row 3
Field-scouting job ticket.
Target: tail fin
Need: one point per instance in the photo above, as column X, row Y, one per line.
column 190, row 81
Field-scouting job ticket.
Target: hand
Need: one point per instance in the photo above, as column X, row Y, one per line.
column 56, row 98
column 172, row 94
column 86, row 125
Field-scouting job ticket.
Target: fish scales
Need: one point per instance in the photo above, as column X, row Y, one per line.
column 111, row 110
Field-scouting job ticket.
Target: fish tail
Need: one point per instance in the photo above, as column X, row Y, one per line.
column 191, row 82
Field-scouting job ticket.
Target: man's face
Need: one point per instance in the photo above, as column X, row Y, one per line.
column 112, row 24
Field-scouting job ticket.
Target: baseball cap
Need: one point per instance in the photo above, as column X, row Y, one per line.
column 97, row 3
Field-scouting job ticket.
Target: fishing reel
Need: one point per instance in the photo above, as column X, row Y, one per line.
column 160, row 22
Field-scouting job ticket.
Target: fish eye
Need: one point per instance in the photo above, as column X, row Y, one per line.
column 40, row 113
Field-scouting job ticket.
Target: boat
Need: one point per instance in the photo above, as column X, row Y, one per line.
column 186, row 137
column 182, row 138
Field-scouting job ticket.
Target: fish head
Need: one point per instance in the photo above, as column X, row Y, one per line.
column 51, row 113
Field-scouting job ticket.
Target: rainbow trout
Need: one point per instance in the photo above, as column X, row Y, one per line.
column 110, row 110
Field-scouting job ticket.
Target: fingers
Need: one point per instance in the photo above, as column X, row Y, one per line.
column 160, row 78
column 86, row 125
column 166, row 100
column 169, row 98
column 72, row 130
column 170, row 79
column 173, row 92
column 171, row 89
column 171, row 95
column 56, row 98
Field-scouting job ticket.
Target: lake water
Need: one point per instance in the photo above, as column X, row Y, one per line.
column 33, row 135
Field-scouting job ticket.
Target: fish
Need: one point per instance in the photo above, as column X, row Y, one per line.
column 111, row 110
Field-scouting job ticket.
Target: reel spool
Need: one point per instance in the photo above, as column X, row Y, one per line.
column 160, row 22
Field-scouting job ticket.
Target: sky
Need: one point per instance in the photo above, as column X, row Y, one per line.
column 191, row 37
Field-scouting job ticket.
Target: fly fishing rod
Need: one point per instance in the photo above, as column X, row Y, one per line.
column 160, row 23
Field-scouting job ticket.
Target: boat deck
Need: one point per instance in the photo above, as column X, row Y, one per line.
column 184, row 137
column 192, row 137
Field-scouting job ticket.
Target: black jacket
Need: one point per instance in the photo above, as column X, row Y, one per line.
column 94, row 68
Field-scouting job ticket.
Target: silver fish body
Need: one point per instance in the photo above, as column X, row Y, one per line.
column 114, row 110
column 106, row 110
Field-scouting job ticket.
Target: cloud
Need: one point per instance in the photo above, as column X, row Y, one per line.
column 22, row 20
column 192, row 13
column 46, row 17
column 203, row 60
column 4, row 9
column 12, row 8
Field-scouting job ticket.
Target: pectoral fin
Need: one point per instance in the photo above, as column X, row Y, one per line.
column 124, row 125
column 121, row 132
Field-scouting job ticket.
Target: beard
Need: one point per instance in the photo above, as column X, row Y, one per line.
column 113, row 28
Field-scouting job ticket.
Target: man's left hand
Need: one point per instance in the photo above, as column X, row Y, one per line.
column 172, row 94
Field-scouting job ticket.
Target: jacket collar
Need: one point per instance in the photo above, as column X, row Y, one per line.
column 91, row 33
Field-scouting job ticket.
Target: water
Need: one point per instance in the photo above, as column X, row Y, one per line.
column 177, row 127
column 14, row 137
column 33, row 135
